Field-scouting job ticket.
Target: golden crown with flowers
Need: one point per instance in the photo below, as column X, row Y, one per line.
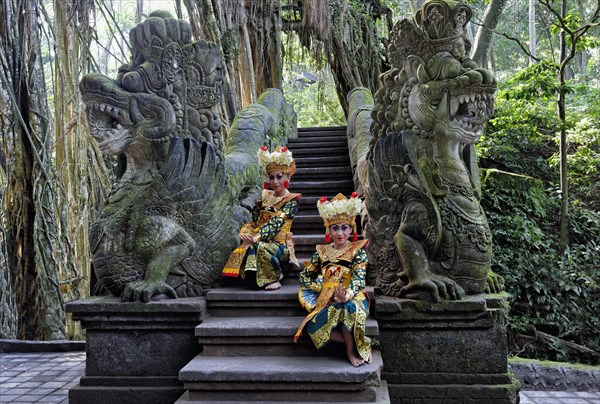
column 340, row 210
column 279, row 160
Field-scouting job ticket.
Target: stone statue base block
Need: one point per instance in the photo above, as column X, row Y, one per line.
column 134, row 351
column 448, row 352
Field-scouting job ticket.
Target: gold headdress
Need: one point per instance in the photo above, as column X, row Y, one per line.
column 279, row 160
column 340, row 210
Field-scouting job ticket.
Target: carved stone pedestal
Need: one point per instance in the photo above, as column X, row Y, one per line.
column 135, row 350
column 450, row 352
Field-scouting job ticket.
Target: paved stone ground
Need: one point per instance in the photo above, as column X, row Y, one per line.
column 559, row 397
column 39, row 377
column 47, row 378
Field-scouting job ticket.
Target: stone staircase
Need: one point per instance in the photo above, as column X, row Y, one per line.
column 323, row 169
column 249, row 355
column 248, row 350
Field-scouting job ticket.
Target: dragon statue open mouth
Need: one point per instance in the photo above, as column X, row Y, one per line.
column 429, row 236
column 167, row 227
column 473, row 111
column 446, row 96
column 108, row 126
column 117, row 116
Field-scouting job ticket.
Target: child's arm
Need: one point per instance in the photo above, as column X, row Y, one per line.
column 291, row 208
column 309, row 274
column 359, row 272
column 269, row 230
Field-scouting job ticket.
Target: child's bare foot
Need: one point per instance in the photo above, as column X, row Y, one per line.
column 273, row 286
column 354, row 360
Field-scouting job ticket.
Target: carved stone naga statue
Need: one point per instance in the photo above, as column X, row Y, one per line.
column 430, row 238
column 168, row 225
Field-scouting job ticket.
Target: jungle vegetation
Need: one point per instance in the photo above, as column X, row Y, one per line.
column 540, row 154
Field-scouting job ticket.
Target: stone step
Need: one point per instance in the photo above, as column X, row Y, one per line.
column 313, row 221
column 240, row 301
column 325, row 161
column 317, row 151
column 322, row 128
column 308, row 228
column 302, row 174
column 322, row 131
column 382, row 397
column 281, row 378
column 340, row 138
column 308, row 249
column 259, row 336
column 303, row 256
column 335, row 137
column 317, row 143
column 308, row 186
column 310, row 239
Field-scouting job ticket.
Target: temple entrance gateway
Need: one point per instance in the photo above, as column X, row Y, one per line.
column 170, row 333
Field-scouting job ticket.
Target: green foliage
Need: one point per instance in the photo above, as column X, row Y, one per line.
column 553, row 293
column 520, row 143
column 555, row 313
column 523, row 135
column 573, row 22
column 230, row 43
column 536, row 81
column 583, row 137
column 315, row 103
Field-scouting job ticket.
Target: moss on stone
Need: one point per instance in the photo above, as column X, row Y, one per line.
column 580, row 366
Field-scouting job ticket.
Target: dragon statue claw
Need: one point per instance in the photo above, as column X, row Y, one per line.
column 146, row 291
column 495, row 283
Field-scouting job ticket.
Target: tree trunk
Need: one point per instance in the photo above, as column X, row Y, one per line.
column 139, row 11
column 582, row 54
column 250, row 34
column 82, row 172
column 483, row 40
column 8, row 305
column 532, row 33
column 564, row 180
column 249, row 96
column 266, row 55
column 30, row 198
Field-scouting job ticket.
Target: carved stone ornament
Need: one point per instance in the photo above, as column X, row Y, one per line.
column 429, row 235
column 167, row 227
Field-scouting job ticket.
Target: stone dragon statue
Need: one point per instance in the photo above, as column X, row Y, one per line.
column 429, row 236
column 169, row 222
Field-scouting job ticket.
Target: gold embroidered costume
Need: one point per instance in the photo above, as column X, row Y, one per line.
column 329, row 268
column 270, row 227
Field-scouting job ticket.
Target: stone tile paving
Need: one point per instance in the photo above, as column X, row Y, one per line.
column 47, row 378
column 560, row 397
column 39, row 377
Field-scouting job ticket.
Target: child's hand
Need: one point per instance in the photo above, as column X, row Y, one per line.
column 340, row 294
column 247, row 239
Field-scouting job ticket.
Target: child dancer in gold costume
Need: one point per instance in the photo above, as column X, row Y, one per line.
column 333, row 283
column 267, row 239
